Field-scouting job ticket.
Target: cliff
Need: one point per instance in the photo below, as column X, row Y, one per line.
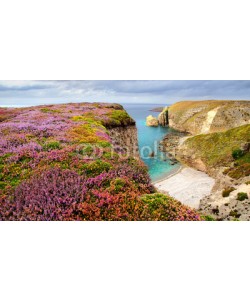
column 123, row 132
column 198, row 117
column 76, row 162
column 163, row 117
column 126, row 139
column 214, row 138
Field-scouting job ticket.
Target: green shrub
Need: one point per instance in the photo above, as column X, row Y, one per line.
column 248, row 182
column 237, row 153
column 242, row 196
column 227, row 191
column 117, row 184
column 104, row 144
column 53, row 145
column 245, row 158
column 96, row 168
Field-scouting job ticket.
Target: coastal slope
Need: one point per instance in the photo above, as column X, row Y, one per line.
column 214, row 138
column 197, row 117
column 210, row 152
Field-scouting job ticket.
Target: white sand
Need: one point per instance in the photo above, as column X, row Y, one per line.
column 188, row 186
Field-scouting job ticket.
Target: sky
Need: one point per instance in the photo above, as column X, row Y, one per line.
column 31, row 92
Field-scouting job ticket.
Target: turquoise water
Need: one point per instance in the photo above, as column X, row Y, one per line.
column 149, row 138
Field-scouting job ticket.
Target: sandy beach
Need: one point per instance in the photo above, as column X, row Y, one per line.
column 188, row 186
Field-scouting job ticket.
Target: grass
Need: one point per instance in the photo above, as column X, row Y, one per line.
column 118, row 118
column 180, row 108
column 215, row 149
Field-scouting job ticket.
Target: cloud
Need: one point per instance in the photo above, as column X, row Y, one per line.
column 13, row 88
column 155, row 91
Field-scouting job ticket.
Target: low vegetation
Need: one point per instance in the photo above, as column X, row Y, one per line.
column 48, row 171
column 227, row 191
column 241, row 166
column 222, row 149
column 207, row 218
column 242, row 196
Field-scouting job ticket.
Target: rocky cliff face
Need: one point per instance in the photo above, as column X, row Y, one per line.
column 198, row 117
column 126, row 138
column 218, row 143
column 163, row 117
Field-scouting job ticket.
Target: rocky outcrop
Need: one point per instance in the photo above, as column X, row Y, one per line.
column 163, row 117
column 152, row 121
column 198, row 117
column 125, row 137
column 226, row 204
column 171, row 143
column 225, row 156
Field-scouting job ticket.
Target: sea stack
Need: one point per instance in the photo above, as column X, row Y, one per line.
column 151, row 121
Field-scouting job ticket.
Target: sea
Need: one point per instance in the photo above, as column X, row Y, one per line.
column 149, row 138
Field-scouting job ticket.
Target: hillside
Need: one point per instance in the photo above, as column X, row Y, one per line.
column 77, row 162
column 215, row 139
column 196, row 117
column 226, row 157
column 208, row 152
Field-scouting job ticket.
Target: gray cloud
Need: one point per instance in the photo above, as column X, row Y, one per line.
column 156, row 91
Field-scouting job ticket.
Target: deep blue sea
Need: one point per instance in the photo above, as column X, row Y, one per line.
column 149, row 138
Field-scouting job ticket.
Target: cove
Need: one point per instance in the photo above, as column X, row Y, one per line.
column 149, row 138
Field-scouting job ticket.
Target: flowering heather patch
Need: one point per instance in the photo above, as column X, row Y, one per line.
column 48, row 171
column 6, row 113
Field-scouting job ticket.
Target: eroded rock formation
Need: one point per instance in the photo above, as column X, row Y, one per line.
column 163, row 117
column 152, row 121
